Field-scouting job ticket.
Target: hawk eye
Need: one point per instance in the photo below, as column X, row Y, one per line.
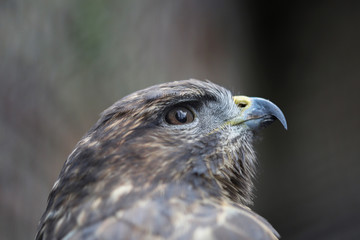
column 179, row 115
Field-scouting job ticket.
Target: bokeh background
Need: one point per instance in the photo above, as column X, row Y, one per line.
column 63, row 62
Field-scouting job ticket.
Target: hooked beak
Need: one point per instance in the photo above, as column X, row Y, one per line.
column 257, row 113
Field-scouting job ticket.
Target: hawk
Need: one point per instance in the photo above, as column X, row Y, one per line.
column 173, row 161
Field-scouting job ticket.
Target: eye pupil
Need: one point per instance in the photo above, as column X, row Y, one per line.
column 181, row 116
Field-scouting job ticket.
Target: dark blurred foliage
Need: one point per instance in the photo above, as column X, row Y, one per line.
column 63, row 62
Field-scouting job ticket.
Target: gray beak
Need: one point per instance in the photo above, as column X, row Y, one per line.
column 257, row 113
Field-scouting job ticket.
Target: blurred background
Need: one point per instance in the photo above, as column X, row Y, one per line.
column 64, row 62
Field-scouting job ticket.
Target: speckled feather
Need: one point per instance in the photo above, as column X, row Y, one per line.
column 134, row 176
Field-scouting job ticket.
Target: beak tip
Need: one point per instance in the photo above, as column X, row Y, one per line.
column 284, row 123
column 278, row 114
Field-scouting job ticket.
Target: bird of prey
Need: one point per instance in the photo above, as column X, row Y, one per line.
column 173, row 161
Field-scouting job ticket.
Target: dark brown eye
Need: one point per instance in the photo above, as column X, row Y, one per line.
column 179, row 115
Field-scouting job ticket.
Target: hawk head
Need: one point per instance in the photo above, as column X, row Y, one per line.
column 190, row 139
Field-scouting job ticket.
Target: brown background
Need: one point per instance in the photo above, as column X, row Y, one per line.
column 63, row 62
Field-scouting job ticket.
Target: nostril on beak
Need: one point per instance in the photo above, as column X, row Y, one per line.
column 242, row 105
column 242, row 101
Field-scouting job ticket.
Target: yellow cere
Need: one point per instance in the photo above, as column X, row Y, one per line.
column 243, row 102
